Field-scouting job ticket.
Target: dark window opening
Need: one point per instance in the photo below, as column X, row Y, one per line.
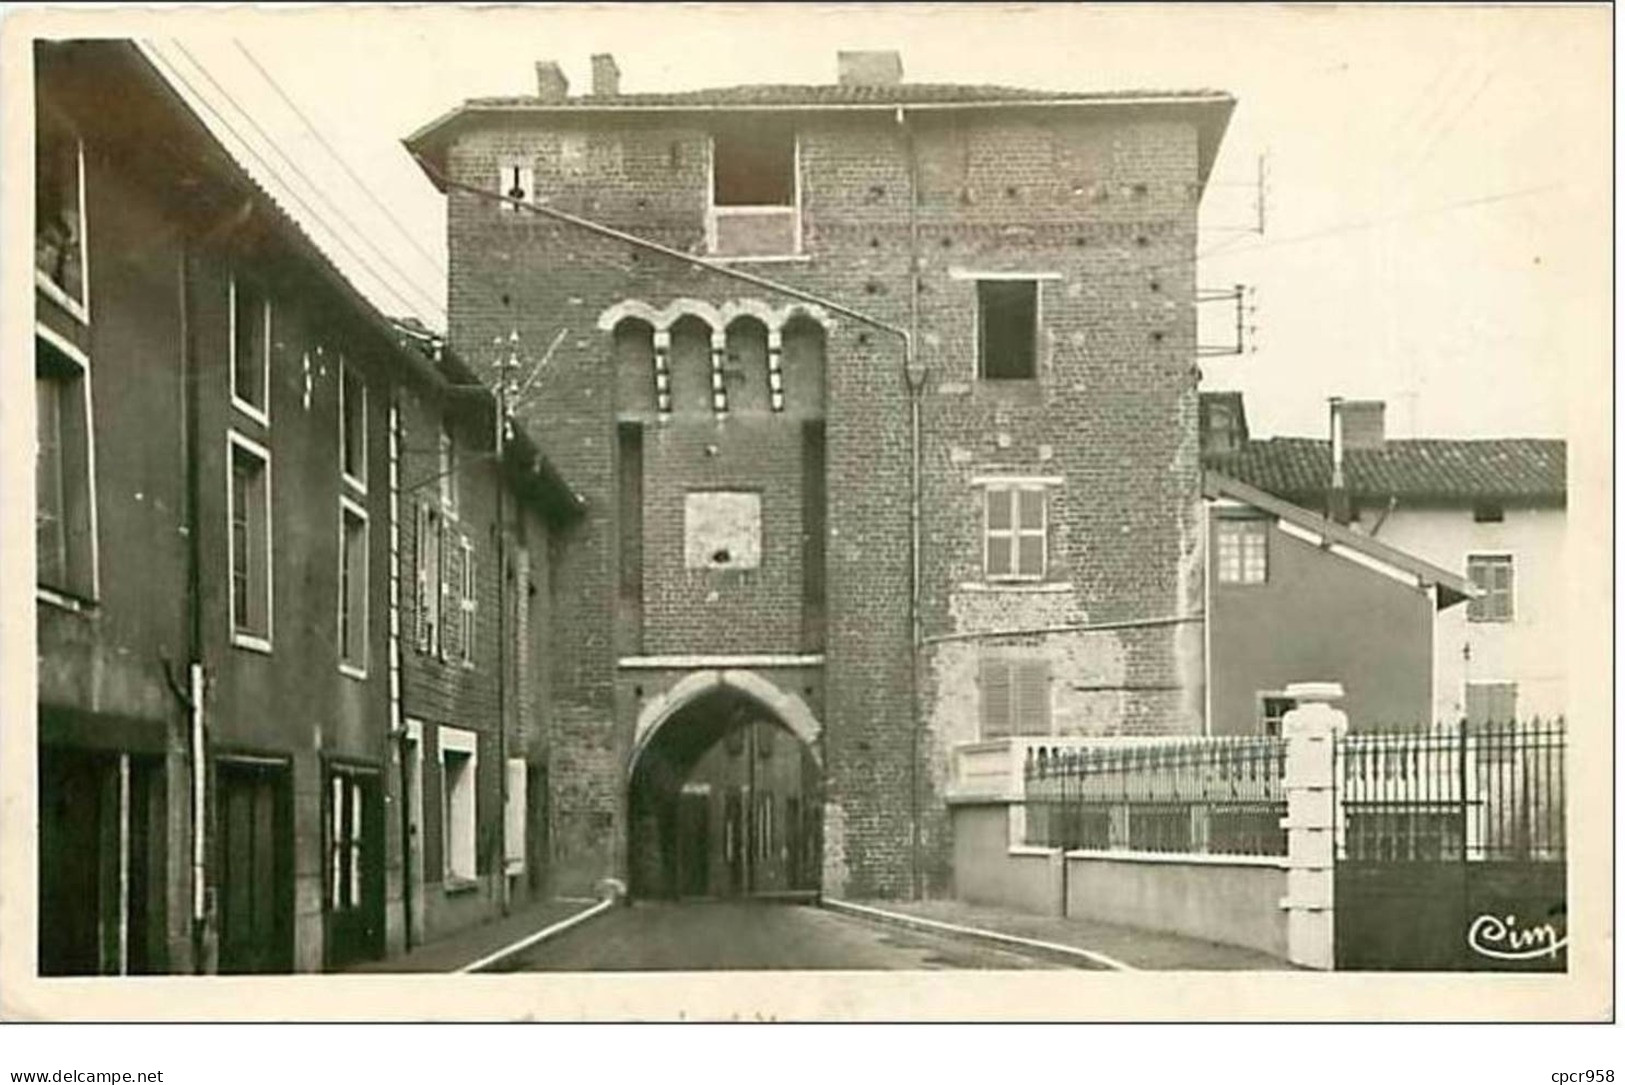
column 1488, row 513
column 58, row 231
column 754, row 165
column 1008, row 320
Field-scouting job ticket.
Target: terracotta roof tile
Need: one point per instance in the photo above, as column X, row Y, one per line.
column 1436, row 470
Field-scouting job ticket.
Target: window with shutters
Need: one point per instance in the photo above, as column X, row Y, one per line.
column 1015, row 696
column 429, row 528
column 1015, row 531
column 1491, row 574
column 1492, row 702
column 451, row 596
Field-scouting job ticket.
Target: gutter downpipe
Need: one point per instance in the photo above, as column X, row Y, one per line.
column 195, row 683
column 913, row 376
column 397, row 724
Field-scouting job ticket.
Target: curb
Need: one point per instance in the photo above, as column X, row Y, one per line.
column 540, row 936
column 863, row 911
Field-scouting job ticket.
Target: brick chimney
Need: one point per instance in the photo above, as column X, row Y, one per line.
column 869, row 68
column 551, row 84
column 1362, row 423
column 606, row 76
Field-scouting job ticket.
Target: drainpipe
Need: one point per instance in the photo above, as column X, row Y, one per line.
column 509, row 362
column 397, row 725
column 914, row 376
column 195, row 684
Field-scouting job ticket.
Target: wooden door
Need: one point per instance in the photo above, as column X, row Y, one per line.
column 693, row 845
column 354, row 904
column 254, row 864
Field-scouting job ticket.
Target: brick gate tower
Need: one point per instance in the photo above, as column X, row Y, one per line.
column 882, row 399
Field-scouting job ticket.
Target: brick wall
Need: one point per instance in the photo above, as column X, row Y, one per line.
column 1106, row 206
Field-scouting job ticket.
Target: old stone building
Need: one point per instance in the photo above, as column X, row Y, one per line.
column 882, row 400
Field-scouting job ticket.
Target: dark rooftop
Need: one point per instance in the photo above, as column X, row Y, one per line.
column 836, row 94
column 1511, row 469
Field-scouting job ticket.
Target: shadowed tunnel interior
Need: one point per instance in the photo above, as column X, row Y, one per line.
column 725, row 802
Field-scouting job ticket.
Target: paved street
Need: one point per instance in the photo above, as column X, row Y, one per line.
column 752, row 935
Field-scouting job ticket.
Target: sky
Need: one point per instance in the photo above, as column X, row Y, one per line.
column 1437, row 205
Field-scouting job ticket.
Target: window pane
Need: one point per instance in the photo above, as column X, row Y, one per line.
column 753, row 164
column 1030, row 504
column 50, row 506
column 999, row 516
column 250, row 557
column 1229, row 554
column 1008, row 319
column 57, row 227
column 353, row 422
column 1031, row 556
column 248, row 347
column 999, row 555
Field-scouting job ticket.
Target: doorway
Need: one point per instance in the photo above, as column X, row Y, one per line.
column 254, row 857
column 725, row 803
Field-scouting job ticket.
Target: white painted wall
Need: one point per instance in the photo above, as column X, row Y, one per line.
column 1528, row 650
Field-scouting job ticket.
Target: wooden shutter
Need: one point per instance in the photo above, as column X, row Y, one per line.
column 451, row 591
column 425, row 597
column 470, row 599
column 1030, row 678
column 996, row 700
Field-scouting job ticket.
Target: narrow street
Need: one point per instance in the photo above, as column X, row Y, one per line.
column 704, row 936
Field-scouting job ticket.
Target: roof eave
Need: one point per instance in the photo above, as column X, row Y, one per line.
column 1452, row 588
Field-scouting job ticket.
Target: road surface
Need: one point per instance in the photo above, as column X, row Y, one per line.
column 756, row 935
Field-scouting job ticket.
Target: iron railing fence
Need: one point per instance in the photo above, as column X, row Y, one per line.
column 1486, row 792
column 1220, row 796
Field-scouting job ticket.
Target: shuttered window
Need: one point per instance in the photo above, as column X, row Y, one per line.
column 1492, row 702
column 451, row 597
column 428, row 579
column 1015, row 696
column 468, row 605
column 1491, row 574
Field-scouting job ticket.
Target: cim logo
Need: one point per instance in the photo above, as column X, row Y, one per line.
column 1503, row 939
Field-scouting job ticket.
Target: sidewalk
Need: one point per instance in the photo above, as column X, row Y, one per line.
column 463, row 947
column 1139, row 949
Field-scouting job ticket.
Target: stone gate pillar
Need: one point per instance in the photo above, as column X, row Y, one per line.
column 1311, row 732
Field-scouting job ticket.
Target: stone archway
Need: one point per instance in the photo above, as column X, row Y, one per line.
column 724, row 791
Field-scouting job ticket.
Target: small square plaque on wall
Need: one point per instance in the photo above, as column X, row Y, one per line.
column 722, row 529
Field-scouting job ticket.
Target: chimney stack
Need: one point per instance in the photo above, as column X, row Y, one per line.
column 606, row 76
column 551, row 84
column 869, row 67
column 1362, row 423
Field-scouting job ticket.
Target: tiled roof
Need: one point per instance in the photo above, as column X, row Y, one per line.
column 834, row 94
column 1436, row 470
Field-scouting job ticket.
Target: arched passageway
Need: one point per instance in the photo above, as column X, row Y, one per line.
column 725, row 800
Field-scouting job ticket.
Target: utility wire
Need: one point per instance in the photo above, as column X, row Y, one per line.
column 174, row 70
column 314, row 187
column 310, row 127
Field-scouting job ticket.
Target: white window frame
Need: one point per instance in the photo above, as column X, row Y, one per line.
column 713, row 211
column 240, row 639
column 1512, row 588
column 468, row 602
column 358, row 483
column 1015, row 532
column 1242, row 524
column 78, row 308
column 262, row 416
column 349, row 507
column 1261, row 698
column 78, row 357
column 454, row 870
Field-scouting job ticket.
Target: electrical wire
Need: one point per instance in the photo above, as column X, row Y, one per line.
column 310, row 127
column 314, row 187
column 179, row 76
